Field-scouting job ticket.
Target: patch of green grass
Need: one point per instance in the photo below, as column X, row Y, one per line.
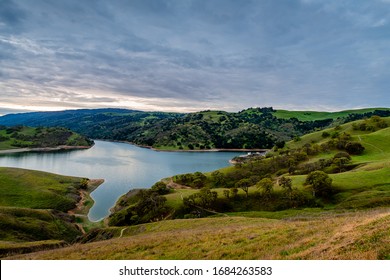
column 212, row 115
column 175, row 199
column 358, row 180
column 30, row 131
column 357, row 135
column 39, row 190
column 33, row 207
column 169, row 148
column 24, row 224
column 377, row 145
column 315, row 115
column 6, row 145
column 305, row 213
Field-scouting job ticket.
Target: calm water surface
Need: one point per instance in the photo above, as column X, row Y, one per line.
column 123, row 167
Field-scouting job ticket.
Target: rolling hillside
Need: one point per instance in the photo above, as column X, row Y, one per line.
column 34, row 209
column 333, row 235
column 29, row 137
column 315, row 115
column 253, row 128
column 351, row 222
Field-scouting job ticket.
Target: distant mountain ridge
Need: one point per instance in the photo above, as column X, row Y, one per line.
column 251, row 128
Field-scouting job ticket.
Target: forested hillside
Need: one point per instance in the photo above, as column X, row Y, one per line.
column 40, row 137
column 251, row 128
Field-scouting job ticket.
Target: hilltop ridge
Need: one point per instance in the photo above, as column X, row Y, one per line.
column 252, row 128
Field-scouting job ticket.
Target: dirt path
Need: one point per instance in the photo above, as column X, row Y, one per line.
column 79, row 205
column 123, row 229
column 174, row 185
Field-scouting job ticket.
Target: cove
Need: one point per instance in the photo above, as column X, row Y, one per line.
column 122, row 166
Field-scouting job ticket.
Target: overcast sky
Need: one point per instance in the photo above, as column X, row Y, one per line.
column 191, row 55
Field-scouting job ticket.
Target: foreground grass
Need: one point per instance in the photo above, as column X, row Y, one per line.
column 10, row 248
column 25, row 225
column 333, row 235
column 34, row 209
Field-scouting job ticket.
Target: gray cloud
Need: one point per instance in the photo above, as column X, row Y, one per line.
column 11, row 16
column 308, row 54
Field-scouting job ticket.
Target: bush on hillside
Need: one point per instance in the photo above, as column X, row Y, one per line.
column 354, row 148
column 320, row 183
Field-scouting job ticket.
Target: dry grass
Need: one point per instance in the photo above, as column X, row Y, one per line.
column 348, row 235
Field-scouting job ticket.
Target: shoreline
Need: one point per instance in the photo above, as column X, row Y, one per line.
column 44, row 149
column 178, row 150
column 85, row 204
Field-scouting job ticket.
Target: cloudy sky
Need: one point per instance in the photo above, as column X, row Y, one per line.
column 190, row 55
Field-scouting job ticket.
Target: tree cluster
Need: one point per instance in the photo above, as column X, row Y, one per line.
column 372, row 124
column 43, row 137
column 195, row 180
column 202, row 201
column 147, row 206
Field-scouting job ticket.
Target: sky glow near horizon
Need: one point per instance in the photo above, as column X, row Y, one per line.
column 192, row 55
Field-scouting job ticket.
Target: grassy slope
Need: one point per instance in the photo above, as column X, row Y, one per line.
column 32, row 209
column 367, row 185
column 39, row 190
column 316, row 137
column 340, row 232
column 360, row 235
column 315, row 115
column 22, row 225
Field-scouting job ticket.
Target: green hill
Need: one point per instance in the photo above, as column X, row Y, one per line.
column 331, row 235
column 253, row 128
column 317, row 115
column 34, row 209
column 351, row 221
column 28, row 137
column 38, row 190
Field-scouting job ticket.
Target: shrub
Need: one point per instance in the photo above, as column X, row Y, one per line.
column 266, row 185
column 161, row 188
column 342, row 155
column 233, row 192
column 84, row 183
column 320, row 182
column 325, row 134
column 354, row 148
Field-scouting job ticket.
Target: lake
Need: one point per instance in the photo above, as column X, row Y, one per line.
column 122, row 166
